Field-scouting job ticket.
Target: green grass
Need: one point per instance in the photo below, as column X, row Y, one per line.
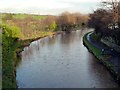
column 20, row 16
column 97, row 52
column 96, row 37
column 23, row 16
column 25, row 42
column 39, row 17
column 100, row 57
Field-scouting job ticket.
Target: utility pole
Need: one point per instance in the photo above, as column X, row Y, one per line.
column 115, row 11
column 119, row 14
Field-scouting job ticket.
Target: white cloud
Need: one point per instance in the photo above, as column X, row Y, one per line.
column 46, row 6
column 32, row 3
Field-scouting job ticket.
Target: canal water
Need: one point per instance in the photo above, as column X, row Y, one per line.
column 61, row 61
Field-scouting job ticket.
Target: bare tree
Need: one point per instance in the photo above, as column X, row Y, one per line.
column 113, row 6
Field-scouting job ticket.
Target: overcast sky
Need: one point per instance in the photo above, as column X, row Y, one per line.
column 48, row 6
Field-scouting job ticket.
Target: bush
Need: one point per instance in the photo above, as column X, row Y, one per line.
column 53, row 26
column 10, row 33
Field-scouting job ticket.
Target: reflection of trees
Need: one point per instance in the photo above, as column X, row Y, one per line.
column 36, row 45
column 98, row 71
column 28, row 52
column 68, row 38
column 51, row 40
column 42, row 42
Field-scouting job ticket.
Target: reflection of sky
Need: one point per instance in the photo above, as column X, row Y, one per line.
column 48, row 6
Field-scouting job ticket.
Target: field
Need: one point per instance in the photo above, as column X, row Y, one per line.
column 23, row 16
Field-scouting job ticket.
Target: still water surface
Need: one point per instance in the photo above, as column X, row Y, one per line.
column 61, row 61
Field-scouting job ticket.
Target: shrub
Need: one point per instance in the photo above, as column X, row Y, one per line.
column 10, row 33
column 53, row 26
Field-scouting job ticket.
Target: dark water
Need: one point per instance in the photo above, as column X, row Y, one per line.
column 61, row 61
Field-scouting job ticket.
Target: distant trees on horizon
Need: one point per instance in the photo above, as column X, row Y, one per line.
column 30, row 26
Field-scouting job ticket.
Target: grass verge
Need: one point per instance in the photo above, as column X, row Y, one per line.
column 104, row 59
column 97, row 52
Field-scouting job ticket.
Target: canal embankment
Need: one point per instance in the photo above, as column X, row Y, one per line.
column 14, row 57
column 61, row 61
column 104, row 54
column 21, row 44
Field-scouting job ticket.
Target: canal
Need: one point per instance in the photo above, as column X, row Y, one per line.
column 61, row 61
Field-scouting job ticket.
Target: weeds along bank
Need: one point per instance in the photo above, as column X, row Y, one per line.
column 16, row 33
column 11, row 44
column 9, row 38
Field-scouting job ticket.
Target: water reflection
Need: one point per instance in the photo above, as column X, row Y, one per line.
column 61, row 61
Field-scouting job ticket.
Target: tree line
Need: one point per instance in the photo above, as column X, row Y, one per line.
column 30, row 26
column 106, row 20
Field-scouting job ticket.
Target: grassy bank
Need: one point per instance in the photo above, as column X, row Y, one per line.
column 11, row 49
column 8, row 69
column 26, row 42
column 104, row 59
column 18, row 31
column 97, row 52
